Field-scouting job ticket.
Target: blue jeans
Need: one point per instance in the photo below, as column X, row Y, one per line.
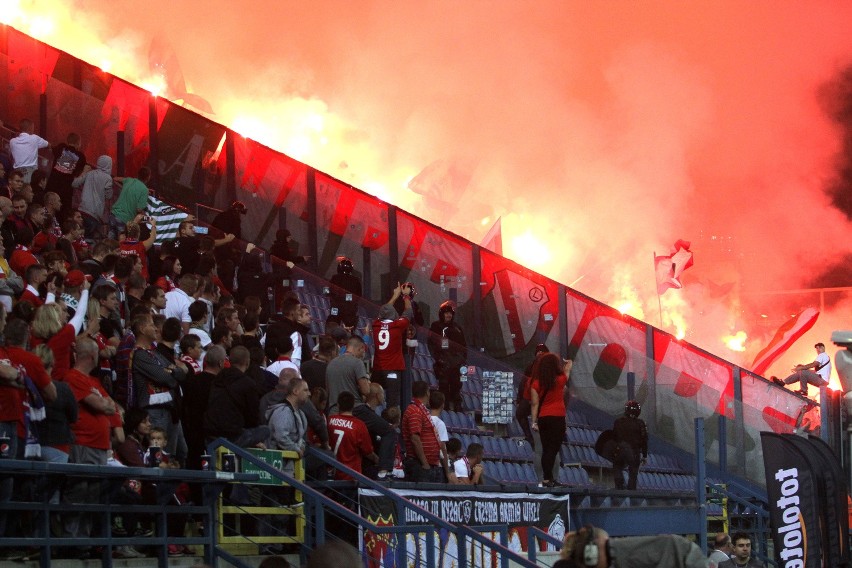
column 52, row 455
column 93, row 228
column 116, row 226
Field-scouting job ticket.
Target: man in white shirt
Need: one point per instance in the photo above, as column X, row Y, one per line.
column 25, row 147
column 469, row 469
column 819, row 377
column 179, row 300
column 285, row 358
column 436, row 406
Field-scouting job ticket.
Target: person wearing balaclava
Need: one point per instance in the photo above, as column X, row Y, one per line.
column 96, row 190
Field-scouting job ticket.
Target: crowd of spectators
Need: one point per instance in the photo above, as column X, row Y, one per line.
column 117, row 351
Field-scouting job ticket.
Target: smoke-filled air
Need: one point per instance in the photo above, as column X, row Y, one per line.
column 599, row 132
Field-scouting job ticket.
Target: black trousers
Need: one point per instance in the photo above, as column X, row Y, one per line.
column 625, row 456
column 552, row 432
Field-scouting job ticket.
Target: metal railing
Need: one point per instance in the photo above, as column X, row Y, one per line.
column 41, row 510
column 317, row 505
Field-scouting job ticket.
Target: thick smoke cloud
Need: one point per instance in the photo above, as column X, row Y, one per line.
column 610, row 129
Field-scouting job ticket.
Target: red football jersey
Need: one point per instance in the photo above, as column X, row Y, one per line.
column 349, row 440
column 388, row 341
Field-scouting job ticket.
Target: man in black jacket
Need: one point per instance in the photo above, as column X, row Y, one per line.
column 449, row 350
column 631, row 438
column 196, row 394
column 155, row 379
column 233, row 407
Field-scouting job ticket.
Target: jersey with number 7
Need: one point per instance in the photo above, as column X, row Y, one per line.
column 350, row 441
column 388, row 339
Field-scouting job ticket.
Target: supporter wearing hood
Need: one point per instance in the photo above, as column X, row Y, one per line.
column 449, row 350
column 272, row 400
column 287, row 423
column 97, row 188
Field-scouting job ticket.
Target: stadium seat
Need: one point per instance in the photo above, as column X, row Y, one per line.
column 525, row 451
column 514, row 429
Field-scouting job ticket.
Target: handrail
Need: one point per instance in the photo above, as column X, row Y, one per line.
column 327, row 503
column 362, row 481
column 532, row 534
column 441, row 523
column 758, row 507
column 102, row 471
column 165, row 479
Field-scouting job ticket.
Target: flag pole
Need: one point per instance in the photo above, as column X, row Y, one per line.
column 657, row 289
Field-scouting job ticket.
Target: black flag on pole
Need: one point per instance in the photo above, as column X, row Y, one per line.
column 791, row 483
column 836, row 505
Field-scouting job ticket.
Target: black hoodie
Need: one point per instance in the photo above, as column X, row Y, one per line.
column 233, row 405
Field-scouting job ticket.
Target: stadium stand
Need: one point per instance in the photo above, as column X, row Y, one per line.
column 330, row 218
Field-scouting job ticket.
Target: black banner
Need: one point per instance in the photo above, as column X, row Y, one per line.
column 515, row 511
column 794, row 505
column 836, row 507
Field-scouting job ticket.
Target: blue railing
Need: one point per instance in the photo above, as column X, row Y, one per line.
column 166, row 480
column 317, row 505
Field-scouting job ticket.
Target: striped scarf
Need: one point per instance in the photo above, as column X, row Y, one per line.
column 168, row 219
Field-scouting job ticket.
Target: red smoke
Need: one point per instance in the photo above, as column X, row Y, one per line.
column 609, row 129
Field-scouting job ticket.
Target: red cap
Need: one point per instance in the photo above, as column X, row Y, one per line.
column 76, row 277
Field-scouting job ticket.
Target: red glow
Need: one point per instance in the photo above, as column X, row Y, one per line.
column 601, row 131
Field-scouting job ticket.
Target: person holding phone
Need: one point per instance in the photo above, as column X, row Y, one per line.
column 389, row 331
column 187, row 245
column 132, row 201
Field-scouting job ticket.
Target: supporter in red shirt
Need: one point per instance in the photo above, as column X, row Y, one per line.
column 11, row 406
column 132, row 244
column 350, row 441
column 171, row 269
column 22, row 257
column 36, row 275
column 388, row 340
column 17, row 334
column 19, row 212
column 423, row 459
column 91, row 434
column 548, row 382
column 51, row 326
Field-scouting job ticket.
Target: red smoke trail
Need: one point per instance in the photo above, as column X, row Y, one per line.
column 606, row 129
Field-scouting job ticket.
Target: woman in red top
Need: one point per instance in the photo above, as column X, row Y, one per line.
column 548, row 382
column 171, row 272
column 51, row 326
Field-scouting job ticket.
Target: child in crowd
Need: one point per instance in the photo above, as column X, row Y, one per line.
column 394, row 417
column 176, row 522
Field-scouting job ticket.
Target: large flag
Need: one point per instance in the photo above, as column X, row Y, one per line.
column 168, row 219
column 792, row 485
column 669, row 268
column 784, row 338
column 493, row 240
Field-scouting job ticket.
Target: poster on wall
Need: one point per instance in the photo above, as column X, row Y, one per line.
column 498, row 397
column 515, row 511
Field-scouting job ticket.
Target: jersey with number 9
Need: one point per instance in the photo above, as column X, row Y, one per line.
column 389, row 339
